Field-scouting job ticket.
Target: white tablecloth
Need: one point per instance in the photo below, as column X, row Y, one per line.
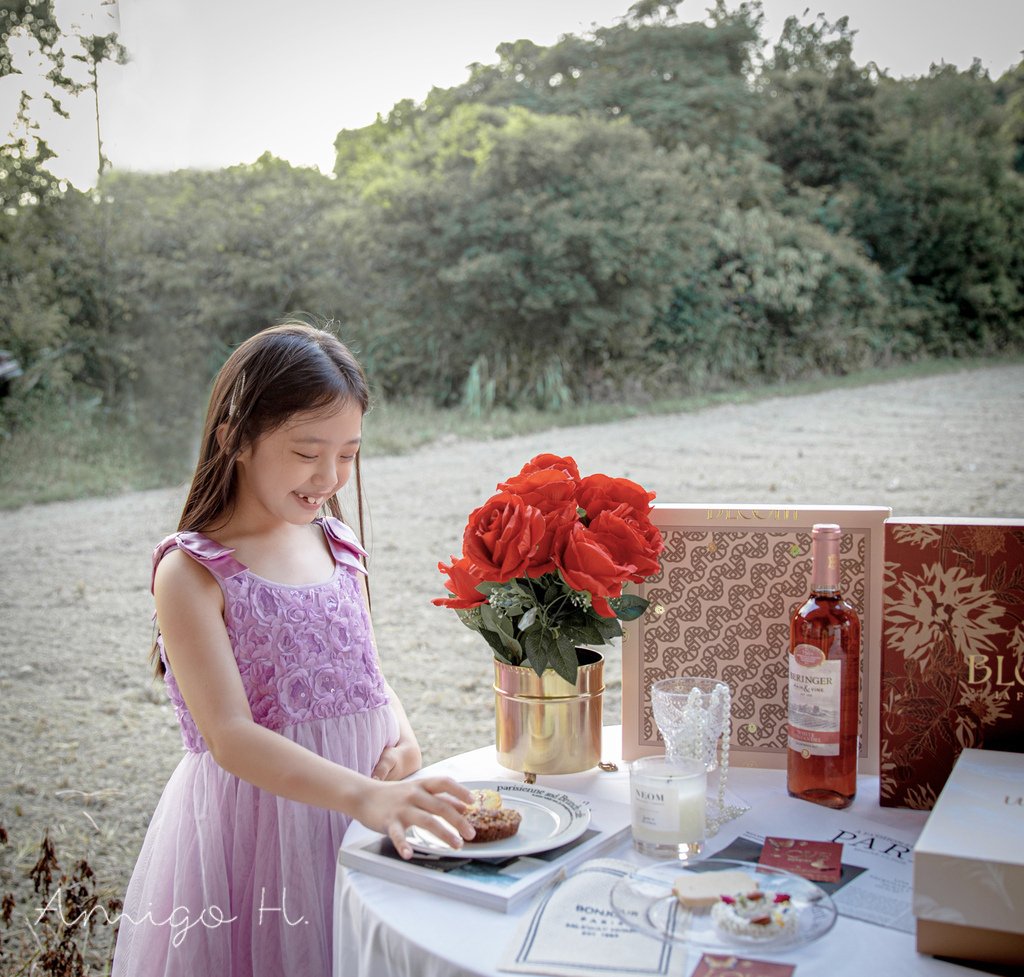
column 385, row 930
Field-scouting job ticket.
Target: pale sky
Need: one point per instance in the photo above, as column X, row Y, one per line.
column 217, row 82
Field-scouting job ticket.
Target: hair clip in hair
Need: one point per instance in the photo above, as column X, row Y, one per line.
column 236, row 394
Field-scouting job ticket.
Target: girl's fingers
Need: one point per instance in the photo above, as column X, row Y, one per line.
column 445, row 785
column 451, row 811
column 434, row 809
column 397, row 835
column 385, row 765
column 440, row 829
column 436, row 805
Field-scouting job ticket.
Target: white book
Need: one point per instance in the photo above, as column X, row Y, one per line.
column 501, row 884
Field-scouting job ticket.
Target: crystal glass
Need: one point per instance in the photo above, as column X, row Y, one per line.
column 693, row 715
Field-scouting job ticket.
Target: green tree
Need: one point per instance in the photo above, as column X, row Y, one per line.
column 521, row 258
column 32, row 322
column 199, row 260
column 681, row 82
column 942, row 210
column 96, row 49
column 819, row 115
column 54, row 311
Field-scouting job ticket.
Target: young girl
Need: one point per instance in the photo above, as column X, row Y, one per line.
column 265, row 642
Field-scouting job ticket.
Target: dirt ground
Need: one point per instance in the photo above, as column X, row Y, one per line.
column 87, row 739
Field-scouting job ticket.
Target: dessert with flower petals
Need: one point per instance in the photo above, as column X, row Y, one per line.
column 754, row 914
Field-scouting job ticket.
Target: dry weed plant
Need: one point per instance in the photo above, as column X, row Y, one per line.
column 71, row 931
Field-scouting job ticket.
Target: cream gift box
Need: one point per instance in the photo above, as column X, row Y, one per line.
column 731, row 578
column 969, row 862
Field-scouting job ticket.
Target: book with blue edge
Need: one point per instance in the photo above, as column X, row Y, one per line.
column 501, row 884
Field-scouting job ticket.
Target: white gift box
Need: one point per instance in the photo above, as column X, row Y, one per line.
column 969, row 862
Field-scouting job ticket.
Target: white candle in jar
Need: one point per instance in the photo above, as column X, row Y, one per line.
column 668, row 799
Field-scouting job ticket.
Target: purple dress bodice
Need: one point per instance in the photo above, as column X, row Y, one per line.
column 304, row 652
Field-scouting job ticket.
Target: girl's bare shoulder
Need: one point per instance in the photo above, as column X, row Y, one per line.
column 179, row 575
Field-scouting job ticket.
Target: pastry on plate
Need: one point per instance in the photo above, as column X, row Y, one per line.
column 491, row 821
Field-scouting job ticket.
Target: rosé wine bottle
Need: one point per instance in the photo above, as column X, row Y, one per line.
column 824, row 684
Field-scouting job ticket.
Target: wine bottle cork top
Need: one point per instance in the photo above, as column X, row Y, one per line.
column 825, row 529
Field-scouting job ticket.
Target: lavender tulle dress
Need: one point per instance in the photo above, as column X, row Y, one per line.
column 233, row 880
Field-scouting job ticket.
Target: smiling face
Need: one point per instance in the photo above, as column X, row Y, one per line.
column 290, row 472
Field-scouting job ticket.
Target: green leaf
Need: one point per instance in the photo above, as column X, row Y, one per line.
column 503, row 658
column 489, row 618
column 510, row 644
column 588, row 634
column 607, row 627
column 501, row 628
column 565, row 661
column 628, row 607
column 494, row 620
column 537, row 650
column 496, row 646
column 470, row 617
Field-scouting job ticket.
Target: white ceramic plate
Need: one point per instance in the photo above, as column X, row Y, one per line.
column 646, row 902
column 551, row 818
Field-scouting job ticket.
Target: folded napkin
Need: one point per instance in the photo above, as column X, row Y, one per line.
column 574, row 932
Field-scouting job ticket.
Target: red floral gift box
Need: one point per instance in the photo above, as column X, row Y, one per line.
column 952, row 649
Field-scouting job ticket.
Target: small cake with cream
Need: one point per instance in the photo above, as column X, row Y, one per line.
column 490, row 820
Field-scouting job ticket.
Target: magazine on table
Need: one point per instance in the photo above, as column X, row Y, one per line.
column 876, row 874
column 501, row 884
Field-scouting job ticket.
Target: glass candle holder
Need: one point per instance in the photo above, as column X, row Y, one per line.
column 667, row 804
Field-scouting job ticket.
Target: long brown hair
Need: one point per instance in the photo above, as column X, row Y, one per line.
column 282, row 371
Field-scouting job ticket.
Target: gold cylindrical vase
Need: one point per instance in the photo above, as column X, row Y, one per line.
column 544, row 724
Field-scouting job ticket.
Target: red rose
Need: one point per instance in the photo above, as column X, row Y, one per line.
column 629, row 501
column 504, row 538
column 461, row 583
column 624, row 540
column 587, row 564
column 552, row 492
column 547, row 489
column 599, row 492
column 552, row 462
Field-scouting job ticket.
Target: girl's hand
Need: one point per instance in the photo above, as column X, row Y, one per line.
column 393, row 808
column 398, row 761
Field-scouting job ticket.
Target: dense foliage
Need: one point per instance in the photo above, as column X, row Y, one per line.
column 658, row 206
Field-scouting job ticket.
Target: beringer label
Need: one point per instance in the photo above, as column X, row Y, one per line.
column 814, row 696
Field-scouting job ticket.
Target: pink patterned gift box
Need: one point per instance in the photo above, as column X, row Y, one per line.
column 952, row 649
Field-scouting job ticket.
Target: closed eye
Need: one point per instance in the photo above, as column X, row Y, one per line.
column 306, row 457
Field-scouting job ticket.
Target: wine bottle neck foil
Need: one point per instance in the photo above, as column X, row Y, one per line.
column 825, row 539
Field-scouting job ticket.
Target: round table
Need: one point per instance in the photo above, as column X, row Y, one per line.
column 382, row 929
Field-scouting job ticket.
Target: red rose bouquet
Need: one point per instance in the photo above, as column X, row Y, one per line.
column 544, row 562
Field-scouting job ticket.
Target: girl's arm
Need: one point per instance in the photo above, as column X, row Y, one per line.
column 189, row 607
